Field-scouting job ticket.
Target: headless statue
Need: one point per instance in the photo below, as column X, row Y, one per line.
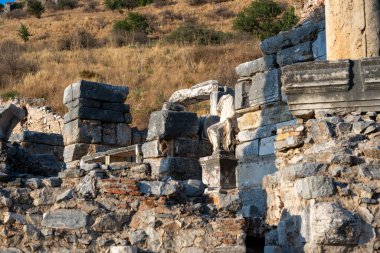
column 222, row 134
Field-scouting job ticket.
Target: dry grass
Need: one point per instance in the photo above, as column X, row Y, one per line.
column 151, row 73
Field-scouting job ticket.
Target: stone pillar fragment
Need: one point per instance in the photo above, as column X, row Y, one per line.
column 352, row 29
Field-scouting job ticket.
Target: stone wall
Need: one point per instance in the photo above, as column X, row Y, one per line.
column 103, row 211
column 262, row 107
column 97, row 120
column 324, row 196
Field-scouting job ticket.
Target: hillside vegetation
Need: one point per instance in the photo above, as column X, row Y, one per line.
column 81, row 43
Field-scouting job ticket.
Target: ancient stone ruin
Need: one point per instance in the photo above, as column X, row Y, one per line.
column 288, row 161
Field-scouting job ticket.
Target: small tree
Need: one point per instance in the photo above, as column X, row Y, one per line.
column 35, row 8
column 23, row 33
column 134, row 22
column 265, row 18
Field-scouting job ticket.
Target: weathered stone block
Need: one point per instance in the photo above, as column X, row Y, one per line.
column 196, row 93
column 266, row 116
column 77, row 151
column 219, row 172
column 119, row 107
column 65, row 219
column 109, row 133
column 96, row 91
column 170, row 124
column 159, row 188
column 205, row 122
column 36, row 148
column 82, row 131
column 193, row 187
column 241, row 93
column 179, row 168
column 94, row 114
column 155, row 148
column 267, row 145
column 307, row 32
column 83, row 102
column 123, row 135
column 251, row 170
column 254, row 202
column 38, row 137
column 250, row 148
column 123, row 249
column 262, row 132
column 10, row 116
column 300, row 53
column 265, row 88
column 319, row 47
column 302, row 170
column 314, row 187
column 331, row 224
column 259, row 65
column 274, row 44
column 191, row 148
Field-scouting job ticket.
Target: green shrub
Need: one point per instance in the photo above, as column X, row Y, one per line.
column 35, row 8
column 128, row 4
column 134, row 22
column 9, row 95
column 18, row 5
column 24, row 33
column 192, row 33
column 265, row 18
column 67, row 4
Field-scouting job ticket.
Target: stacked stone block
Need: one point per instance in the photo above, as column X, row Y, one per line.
column 173, row 145
column 97, row 120
column 44, row 148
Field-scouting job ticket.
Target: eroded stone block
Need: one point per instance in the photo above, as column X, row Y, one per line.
column 265, row 88
column 65, row 219
column 179, row 168
column 171, row 124
column 259, row 65
column 314, row 187
column 219, row 172
column 300, row 53
column 250, row 148
column 82, row 131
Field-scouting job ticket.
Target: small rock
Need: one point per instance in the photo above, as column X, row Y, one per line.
column 359, row 127
column 12, row 218
column 193, row 187
column 138, row 236
column 159, row 188
column 52, row 182
column 344, row 128
column 33, row 183
column 66, row 195
column 32, row 232
column 123, row 249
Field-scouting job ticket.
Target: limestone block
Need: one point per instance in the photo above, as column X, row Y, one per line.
column 159, row 188
column 319, row 47
column 38, row 137
column 302, row 170
column 241, row 93
column 196, row 93
column 94, row 114
column 174, row 107
column 307, row 32
column 119, row 107
column 322, row 131
column 123, row 135
column 314, row 187
column 82, row 131
column 267, row 145
column 83, row 102
column 77, row 151
column 10, row 116
column 265, row 88
column 331, row 224
column 218, row 172
column 96, row 91
column 155, row 148
column 109, row 133
column 352, row 40
column 191, row 148
column 251, row 171
column 123, row 249
column 179, row 168
column 300, row 53
column 64, row 219
column 274, row 44
column 170, row 124
column 254, row 202
column 272, row 249
column 266, row 116
column 230, row 249
column 193, row 187
column 36, row 148
column 250, row 148
column 259, row 65
column 262, row 132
